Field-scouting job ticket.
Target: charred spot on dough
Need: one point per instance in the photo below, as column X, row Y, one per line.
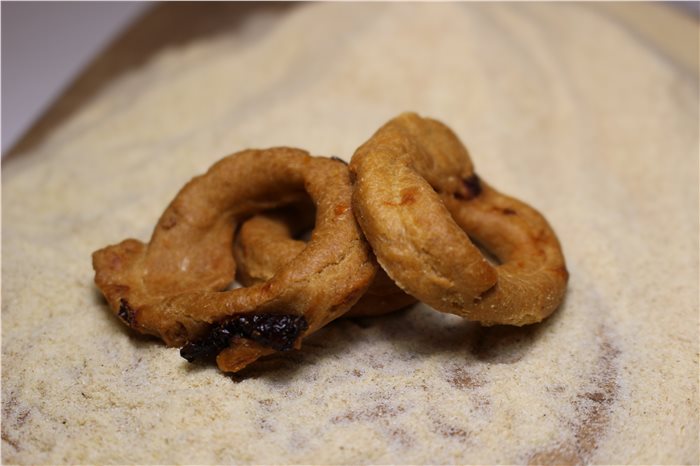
column 338, row 159
column 473, row 183
column 277, row 331
column 340, row 209
column 169, row 222
column 118, row 290
column 408, row 196
column 508, row 211
column 471, row 188
column 126, row 313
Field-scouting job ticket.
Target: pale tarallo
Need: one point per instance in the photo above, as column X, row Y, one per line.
column 562, row 106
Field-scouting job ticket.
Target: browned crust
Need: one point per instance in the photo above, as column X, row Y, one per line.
column 416, row 197
column 174, row 285
column 266, row 242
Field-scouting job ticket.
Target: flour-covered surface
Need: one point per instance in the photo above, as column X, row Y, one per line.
column 558, row 104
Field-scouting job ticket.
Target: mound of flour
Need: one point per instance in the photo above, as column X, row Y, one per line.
column 559, row 105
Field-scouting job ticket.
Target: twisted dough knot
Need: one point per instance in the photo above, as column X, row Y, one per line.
column 174, row 287
column 418, row 201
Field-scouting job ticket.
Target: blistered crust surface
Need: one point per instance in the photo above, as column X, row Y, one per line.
column 560, row 94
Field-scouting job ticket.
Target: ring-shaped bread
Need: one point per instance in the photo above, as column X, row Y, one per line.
column 417, row 198
column 267, row 241
column 175, row 286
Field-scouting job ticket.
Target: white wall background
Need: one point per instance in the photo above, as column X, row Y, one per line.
column 44, row 47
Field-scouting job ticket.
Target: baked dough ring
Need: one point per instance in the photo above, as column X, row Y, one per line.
column 266, row 242
column 173, row 287
column 406, row 177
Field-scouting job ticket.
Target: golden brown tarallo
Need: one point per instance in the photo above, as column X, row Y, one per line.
column 268, row 241
column 175, row 286
column 419, row 201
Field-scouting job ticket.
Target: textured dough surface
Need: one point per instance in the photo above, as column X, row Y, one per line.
column 564, row 107
column 266, row 242
column 416, row 211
